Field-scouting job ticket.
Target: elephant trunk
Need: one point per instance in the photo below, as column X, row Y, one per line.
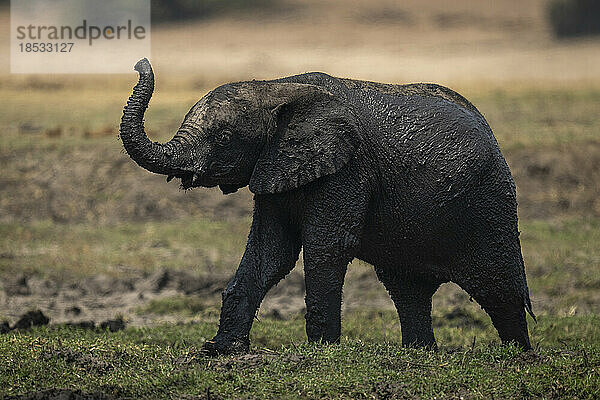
column 154, row 157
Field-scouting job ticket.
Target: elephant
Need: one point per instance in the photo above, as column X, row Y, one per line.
column 407, row 178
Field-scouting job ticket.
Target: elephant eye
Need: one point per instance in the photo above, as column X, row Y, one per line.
column 223, row 137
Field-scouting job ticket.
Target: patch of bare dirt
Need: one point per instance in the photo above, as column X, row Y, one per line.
column 61, row 394
column 119, row 301
column 81, row 302
column 35, row 318
column 82, row 359
column 529, row 358
column 101, row 298
column 391, row 390
column 31, row 319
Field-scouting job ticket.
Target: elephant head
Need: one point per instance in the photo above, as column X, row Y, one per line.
column 273, row 136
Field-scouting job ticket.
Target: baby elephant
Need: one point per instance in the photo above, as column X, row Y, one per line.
column 408, row 178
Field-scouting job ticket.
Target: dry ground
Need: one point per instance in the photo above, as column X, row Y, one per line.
column 469, row 43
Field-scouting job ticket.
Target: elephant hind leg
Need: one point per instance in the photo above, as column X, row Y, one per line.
column 511, row 324
column 412, row 298
column 500, row 289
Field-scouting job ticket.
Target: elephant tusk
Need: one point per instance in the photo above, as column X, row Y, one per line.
column 170, row 178
column 195, row 179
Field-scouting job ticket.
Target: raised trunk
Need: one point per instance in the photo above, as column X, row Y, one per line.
column 154, row 157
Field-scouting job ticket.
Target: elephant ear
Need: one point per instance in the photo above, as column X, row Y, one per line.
column 313, row 134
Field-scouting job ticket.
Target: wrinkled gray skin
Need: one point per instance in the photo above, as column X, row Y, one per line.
column 408, row 178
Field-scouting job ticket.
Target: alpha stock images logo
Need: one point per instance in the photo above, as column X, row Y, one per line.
column 78, row 36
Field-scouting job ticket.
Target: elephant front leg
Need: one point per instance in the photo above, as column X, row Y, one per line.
column 271, row 253
column 324, row 281
column 326, row 258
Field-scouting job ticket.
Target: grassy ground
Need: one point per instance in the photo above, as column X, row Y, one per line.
column 54, row 251
column 164, row 362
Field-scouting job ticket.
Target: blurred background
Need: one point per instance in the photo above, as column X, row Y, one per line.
column 87, row 234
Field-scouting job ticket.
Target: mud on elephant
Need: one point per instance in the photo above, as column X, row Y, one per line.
column 408, row 178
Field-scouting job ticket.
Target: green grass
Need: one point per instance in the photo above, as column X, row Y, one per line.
column 52, row 250
column 182, row 305
column 563, row 266
column 165, row 362
column 530, row 118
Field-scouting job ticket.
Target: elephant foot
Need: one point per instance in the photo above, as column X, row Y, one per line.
column 427, row 345
column 220, row 347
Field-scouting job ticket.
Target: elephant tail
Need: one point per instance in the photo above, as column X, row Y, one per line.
column 528, row 306
column 526, row 299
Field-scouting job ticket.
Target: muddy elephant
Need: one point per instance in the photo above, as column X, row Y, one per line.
column 408, row 178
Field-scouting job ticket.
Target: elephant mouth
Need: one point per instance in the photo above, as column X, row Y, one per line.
column 188, row 182
column 191, row 180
